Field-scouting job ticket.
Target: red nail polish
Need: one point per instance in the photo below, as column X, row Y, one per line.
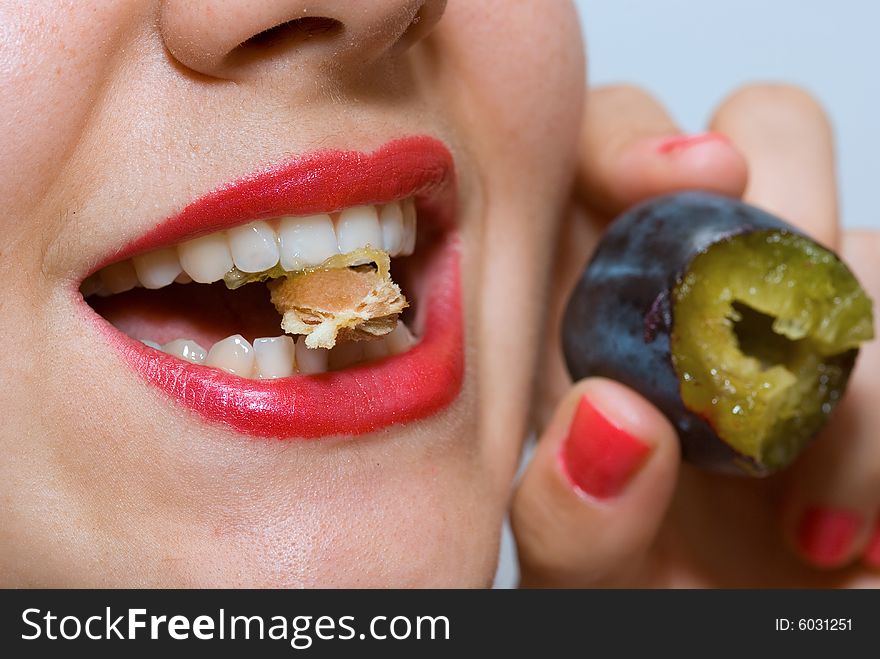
column 872, row 553
column 825, row 535
column 598, row 457
column 682, row 142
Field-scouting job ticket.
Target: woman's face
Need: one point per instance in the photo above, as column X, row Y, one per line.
column 121, row 120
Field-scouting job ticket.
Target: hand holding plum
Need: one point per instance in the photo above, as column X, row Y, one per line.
column 606, row 500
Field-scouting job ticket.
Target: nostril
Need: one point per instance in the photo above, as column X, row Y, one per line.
column 294, row 31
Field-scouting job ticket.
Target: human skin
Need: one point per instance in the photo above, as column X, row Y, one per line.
column 118, row 114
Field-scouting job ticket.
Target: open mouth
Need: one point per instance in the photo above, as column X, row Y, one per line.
column 318, row 298
column 207, row 301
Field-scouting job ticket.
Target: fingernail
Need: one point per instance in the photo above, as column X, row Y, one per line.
column 872, row 553
column 598, row 457
column 683, row 142
column 825, row 535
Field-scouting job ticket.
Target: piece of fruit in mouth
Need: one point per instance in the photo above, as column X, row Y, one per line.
column 741, row 330
column 349, row 297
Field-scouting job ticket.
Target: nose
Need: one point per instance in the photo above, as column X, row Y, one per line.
column 223, row 38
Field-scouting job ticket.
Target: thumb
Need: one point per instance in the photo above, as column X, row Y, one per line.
column 596, row 490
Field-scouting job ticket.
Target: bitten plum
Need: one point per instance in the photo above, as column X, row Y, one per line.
column 739, row 328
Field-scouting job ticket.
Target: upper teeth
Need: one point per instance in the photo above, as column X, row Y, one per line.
column 295, row 242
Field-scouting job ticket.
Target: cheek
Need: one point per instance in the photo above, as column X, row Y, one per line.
column 54, row 58
column 518, row 69
column 515, row 77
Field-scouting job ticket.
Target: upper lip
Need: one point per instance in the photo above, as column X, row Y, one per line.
column 319, row 182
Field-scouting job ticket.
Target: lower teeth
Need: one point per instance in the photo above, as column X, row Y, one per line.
column 277, row 357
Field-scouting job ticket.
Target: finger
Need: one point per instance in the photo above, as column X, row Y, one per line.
column 787, row 141
column 831, row 498
column 593, row 496
column 631, row 149
column 834, row 490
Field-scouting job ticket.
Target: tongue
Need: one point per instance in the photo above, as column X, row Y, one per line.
column 203, row 313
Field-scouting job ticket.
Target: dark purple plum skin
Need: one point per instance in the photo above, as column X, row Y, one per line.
column 619, row 318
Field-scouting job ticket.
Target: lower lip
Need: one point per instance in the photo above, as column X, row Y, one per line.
column 358, row 400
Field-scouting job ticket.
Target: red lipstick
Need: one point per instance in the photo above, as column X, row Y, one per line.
column 361, row 399
column 320, row 182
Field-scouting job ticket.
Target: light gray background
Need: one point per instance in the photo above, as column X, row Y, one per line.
column 691, row 53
